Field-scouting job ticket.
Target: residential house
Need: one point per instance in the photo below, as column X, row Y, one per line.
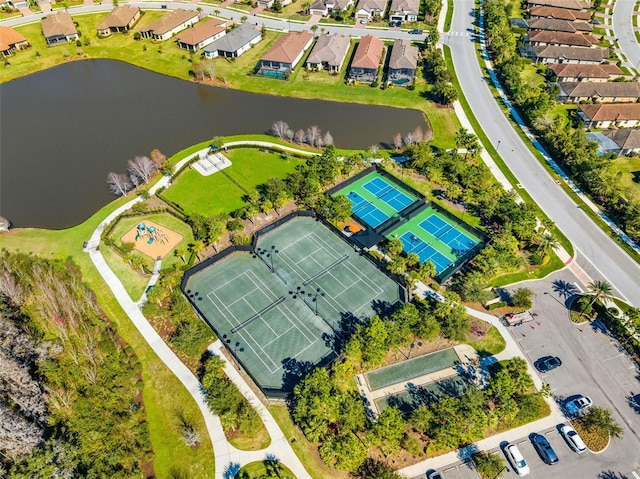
column 327, row 7
column 559, row 14
column 402, row 63
column 554, row 25
column 610, row 115
column 368, row 9
column 366, row 59
column 203, row 34
column 284, row 55
column 11, row 41
column 59, row 28
column 120, row 19
column 544, row 38
column 234, row 43
column 577, row 5
column 621, row 142
column 329, row 52
column 560, row 54
column 608, row 92
column 571, row 72
column 404, row 10
column 269, row 3
column 170, row 24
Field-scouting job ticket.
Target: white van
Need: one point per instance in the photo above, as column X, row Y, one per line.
column 573, row 439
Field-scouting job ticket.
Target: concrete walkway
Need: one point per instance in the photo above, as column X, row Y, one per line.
column 227, row 457
column 155, row 275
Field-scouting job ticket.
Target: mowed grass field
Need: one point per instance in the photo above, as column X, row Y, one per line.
column 222, row 191
column 166, row 58
column 630, row 178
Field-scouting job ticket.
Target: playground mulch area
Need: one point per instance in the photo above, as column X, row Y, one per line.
column 278, row 311
column 156, row 244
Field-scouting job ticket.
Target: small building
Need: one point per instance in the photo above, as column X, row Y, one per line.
column 284, row 55
column 203, row 34
column 404, row 11
column 554, row 25
column 327, row 7
column 366, row 59
column 559, row 14
column 577, row 5
column 621, row 142
column 571, row 72
column 606, row 145
column 610, row 115
column 234, row 43
column 402, row 63
column 542, row 38
column 59, row 28
column 599, row 92
column 368, row 9
column 170, row 24
column 329, row 52
column 11, row 41
column 560, row 54
column 121, row 19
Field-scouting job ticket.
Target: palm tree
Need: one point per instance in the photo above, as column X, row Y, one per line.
column 548, row 242
column 179, row 253
column 196, row 247
column 600, row 290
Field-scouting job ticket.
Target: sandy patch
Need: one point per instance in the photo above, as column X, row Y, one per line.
column 164, row 239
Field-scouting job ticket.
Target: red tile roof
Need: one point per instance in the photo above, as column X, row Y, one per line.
column 9, row 37
column 287, row 48
column 368, row 53
column 201, row 32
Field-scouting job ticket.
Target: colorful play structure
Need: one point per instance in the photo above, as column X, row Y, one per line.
column 150, row 233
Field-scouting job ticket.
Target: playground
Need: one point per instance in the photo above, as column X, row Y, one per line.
column 152, row 239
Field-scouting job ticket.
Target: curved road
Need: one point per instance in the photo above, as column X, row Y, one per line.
column 596, row 251
column 623, row 30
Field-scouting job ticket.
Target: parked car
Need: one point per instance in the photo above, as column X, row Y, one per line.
column 547, row 363
column 363, row 21
column 434, row 475
column 547, row 454
column 579, row 404
column 415, row 31
column 573, row 439
column 516, row 459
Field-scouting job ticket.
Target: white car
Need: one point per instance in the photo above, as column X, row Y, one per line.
column 515, row 458
column 434, row 475
column 573, row 439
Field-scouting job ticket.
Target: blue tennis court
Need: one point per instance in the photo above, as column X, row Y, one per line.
column 388, row 193
column 426, row 252
column 448, row 234
column 366, row 211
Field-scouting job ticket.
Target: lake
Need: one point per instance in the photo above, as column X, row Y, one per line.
column 64, row 129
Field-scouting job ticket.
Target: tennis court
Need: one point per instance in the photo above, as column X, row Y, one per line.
column 423, row 395
column 436, row 238
column 412, row 368
column 277, row 310
column 375, row 198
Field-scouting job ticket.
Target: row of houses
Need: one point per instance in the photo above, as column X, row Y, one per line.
column 330, row 52
column 399, row 11
column 559, row 33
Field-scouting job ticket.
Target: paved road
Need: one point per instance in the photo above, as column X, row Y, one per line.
column 623, row 28
column 592, row 244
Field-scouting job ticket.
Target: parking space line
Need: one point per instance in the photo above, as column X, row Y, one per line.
column 636, row 476
column 612, row 357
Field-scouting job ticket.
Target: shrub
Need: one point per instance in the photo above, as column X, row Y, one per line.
column 137, row 36
column 489, row 466
column 498, row 305
column 191, row 337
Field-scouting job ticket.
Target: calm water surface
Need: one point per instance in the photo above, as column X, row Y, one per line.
column 64, row 129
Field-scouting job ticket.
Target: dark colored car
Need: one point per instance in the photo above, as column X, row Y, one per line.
column 545, row 450
column 415, row 31
column 547, row 363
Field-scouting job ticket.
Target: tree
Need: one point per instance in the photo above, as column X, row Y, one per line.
column 300, row 137
column 196, row 247
column 216, row 227
column 397, row 265
column 280, row 129
column 444, row 92
column 473, row 287
column 600, row 289
column 397, row 141
column 489, row 466
column 327, row 139
column 119, row 184
column 141, row 167
column 387, row 432
column 547, row 243
column 522, row 298
column 313, row 135
column 343, row 452
column 394, row 247
column 600, row 419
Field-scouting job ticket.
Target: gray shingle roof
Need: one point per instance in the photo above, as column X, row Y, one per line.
column 330, row 49
column 412, row 6
column 235, row 39
column 601, row 89
column 403, row 55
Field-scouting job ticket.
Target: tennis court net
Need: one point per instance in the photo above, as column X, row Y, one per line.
column 326, row 270
column 246, row 322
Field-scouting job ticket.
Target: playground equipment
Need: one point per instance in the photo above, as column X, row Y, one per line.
column 150, row 234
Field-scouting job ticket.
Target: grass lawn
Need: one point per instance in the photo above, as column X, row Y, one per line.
column 167, row 58
column 259, row 469
column 306, row 452
column 220, row 193
column 596, row 440
column 492, row 343
column 630, row 178
column 134, row 282
column 163, row 393
column 254, row 443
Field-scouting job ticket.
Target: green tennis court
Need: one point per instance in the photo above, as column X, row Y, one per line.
column 436, row 238
column 277, row 310
column 375, row 199
column 412, row 368
column 424, row 395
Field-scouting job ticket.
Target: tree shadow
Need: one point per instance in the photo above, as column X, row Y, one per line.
column 294, row 371
column 611, row 475
column 634, row 402
column 381, row 308
column 231, row 470
column 564, row 289
column 349, row 322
